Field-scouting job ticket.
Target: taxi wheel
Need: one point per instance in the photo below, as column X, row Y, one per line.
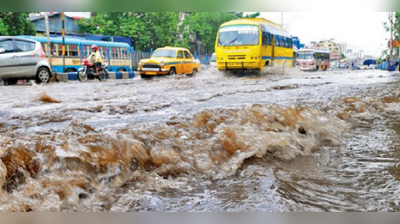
column 193, row 73
column 145, row 76
column 172, row 71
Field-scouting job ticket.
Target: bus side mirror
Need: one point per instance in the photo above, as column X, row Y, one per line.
column 2, row 50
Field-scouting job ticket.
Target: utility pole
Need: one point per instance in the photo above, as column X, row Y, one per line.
column 63, row 38
column 391, row 34
column 46, row 19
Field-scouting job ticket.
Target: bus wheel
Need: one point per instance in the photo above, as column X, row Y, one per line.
column 70, row 70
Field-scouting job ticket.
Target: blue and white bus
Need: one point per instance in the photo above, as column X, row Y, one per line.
column 117, row 55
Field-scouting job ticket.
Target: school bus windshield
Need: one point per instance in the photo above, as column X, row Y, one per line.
column 237, row 35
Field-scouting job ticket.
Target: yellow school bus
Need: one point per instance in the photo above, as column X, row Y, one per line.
column 252, row 44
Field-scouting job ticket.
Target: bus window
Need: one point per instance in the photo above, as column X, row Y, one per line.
column 73, row 50
column 269, row 38
column 103, row 52
column 290, row 43
column 53, row 49
column 86, row 51
column 114, row 52
column 282, row 41
column 276, row 40
column 264, row 38
column 124, row 53
column 59, row 50
column 287, row 42
column 264, row 35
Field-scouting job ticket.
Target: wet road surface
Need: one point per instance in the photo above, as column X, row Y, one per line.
column 325, row 141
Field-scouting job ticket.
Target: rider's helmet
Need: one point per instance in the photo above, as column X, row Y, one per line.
column 94, row 46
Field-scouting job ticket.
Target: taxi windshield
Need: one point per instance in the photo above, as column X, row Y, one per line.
column 164, row 54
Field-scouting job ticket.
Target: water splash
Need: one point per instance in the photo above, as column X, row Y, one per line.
column 64, row 169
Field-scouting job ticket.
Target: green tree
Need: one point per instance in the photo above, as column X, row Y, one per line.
column 16, row 23
column 147, row 30
column 204, row 26
column 252, row 15
column 395, row 22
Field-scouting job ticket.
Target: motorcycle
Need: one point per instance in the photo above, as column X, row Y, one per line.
column 87, row 71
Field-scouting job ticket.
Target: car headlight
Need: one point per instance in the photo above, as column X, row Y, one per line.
column 162, row 63
column 140, row 63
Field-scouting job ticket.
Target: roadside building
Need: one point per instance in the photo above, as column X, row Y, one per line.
column 334, row 49
column 71, row 25
column 71, row 28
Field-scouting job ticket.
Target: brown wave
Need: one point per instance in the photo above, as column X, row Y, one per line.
column 63, row 169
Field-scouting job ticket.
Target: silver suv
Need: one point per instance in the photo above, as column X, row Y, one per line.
column 22, row 58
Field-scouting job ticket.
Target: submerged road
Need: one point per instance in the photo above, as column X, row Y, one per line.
column 322, row 141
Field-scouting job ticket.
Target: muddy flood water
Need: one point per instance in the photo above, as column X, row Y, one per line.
column 325, row 141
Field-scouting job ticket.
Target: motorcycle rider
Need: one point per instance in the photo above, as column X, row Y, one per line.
column 95, row 58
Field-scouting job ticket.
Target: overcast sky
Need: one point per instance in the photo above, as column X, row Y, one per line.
column 360, row 30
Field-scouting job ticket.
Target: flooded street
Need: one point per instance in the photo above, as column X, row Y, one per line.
column 321, row 141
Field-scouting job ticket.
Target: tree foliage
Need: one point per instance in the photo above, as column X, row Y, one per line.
column 156, row 29
column 148, row 30
column 204, row 27
column 16, row 23
column 395, row 22
column 252, row 15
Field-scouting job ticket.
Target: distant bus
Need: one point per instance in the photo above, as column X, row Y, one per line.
column 312, row 60
column 253, row 44
column 117, row 55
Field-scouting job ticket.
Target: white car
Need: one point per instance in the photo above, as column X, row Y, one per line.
column 213, row 61
column 22, row 58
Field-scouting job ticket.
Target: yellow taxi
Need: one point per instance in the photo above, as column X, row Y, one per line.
column 169, row 61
